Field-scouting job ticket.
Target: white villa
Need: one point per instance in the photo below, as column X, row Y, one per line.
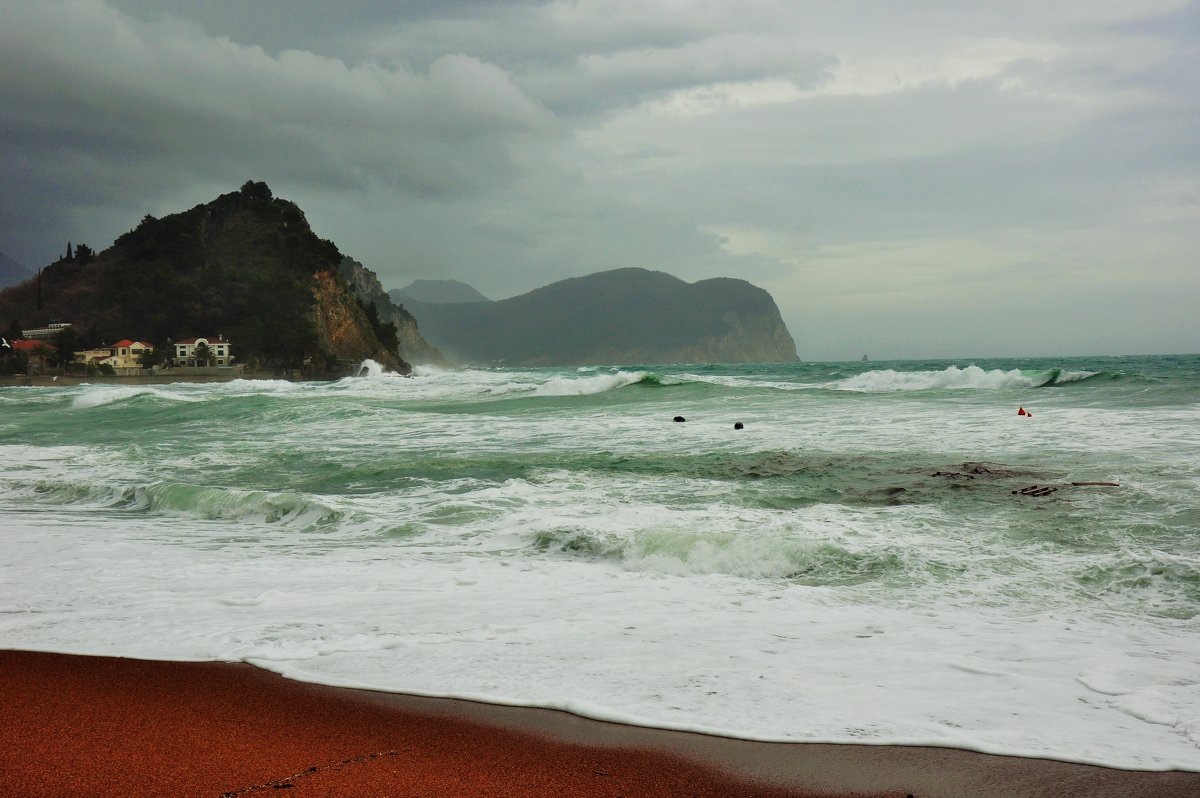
column 218, row 352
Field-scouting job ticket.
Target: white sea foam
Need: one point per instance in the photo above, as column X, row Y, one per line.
column 1074, row 376
column 601, row 559
column 949, row 378
column 100, row 395
column 582, row 386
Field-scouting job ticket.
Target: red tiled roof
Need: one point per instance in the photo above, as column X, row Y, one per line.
column 123, row 342
column 24, row 345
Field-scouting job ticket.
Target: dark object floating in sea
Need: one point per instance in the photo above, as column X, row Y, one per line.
column 1046, row 490
column 679, row 418
column 738, row 425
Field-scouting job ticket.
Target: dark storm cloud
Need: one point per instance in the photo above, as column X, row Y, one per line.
column 116, row 111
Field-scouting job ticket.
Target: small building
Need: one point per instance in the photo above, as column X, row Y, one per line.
column 39, row 353
column 93, row 357
column 219, row 352
column 46, row 333
column 127, row 354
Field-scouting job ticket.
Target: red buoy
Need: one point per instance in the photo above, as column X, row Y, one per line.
column 1021, row 411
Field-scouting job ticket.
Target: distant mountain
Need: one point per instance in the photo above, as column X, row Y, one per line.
column 621, row 316
column 12, row 272
column 246, row 266
column 437, row 292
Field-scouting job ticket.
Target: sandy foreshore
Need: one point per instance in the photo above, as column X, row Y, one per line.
column 98, row 726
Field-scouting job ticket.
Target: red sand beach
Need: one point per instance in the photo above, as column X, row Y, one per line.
column 97, row 726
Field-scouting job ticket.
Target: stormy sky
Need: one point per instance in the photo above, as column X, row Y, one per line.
column 919, row 179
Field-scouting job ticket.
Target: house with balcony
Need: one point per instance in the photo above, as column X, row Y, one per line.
column 214, row 351
column 127, row 354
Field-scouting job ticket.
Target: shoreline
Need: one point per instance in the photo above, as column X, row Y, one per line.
column 104, row 726
column 59, row 380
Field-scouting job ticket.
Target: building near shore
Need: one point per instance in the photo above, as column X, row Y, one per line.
column 93, row 357
column 219, row 352
column 47, row 332
column 125, row 356
column 39, row 353
column 128, row 354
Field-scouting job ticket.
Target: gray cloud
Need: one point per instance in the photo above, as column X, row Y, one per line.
column 890, row 173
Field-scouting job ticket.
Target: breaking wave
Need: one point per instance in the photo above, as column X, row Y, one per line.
column 952, row 378
column 971, row 377
column 116, row 394
column 288, row 509
column 683, row 553
column 600, row 383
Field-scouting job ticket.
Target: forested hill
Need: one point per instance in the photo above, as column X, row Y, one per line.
column 246, row 266
column 616, row 317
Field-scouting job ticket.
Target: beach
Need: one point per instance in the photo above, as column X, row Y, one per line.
column 101, row 726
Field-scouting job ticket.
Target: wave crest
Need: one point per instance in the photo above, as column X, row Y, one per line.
column 288, row 509
column 684, row 553
column 599, row 383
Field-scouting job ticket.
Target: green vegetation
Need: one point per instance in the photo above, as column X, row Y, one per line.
column 386, row 332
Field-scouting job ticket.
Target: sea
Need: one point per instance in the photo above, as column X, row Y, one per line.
column 885, row 552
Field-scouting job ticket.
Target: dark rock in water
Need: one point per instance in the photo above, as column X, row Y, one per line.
column 679, row 418
column 739, row 425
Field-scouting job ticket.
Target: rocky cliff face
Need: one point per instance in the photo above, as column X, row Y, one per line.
column 366, row 286
column 343, row 330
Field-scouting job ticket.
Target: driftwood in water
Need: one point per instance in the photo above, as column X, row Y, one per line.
column 1046, row 490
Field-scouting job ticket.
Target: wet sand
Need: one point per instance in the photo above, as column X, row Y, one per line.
column 98, row 726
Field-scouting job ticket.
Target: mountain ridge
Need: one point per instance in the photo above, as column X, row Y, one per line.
column 628, row 315
column 437, row 292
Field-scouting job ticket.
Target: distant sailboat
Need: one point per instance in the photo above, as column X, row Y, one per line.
column 865, row 358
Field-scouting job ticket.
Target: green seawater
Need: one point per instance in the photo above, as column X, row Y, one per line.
column 890, row 535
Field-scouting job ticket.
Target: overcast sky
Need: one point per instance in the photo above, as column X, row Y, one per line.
column 918, row 179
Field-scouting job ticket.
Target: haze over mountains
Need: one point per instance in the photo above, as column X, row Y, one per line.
column 12, row 272
column 438, row 292
column 623, row 316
